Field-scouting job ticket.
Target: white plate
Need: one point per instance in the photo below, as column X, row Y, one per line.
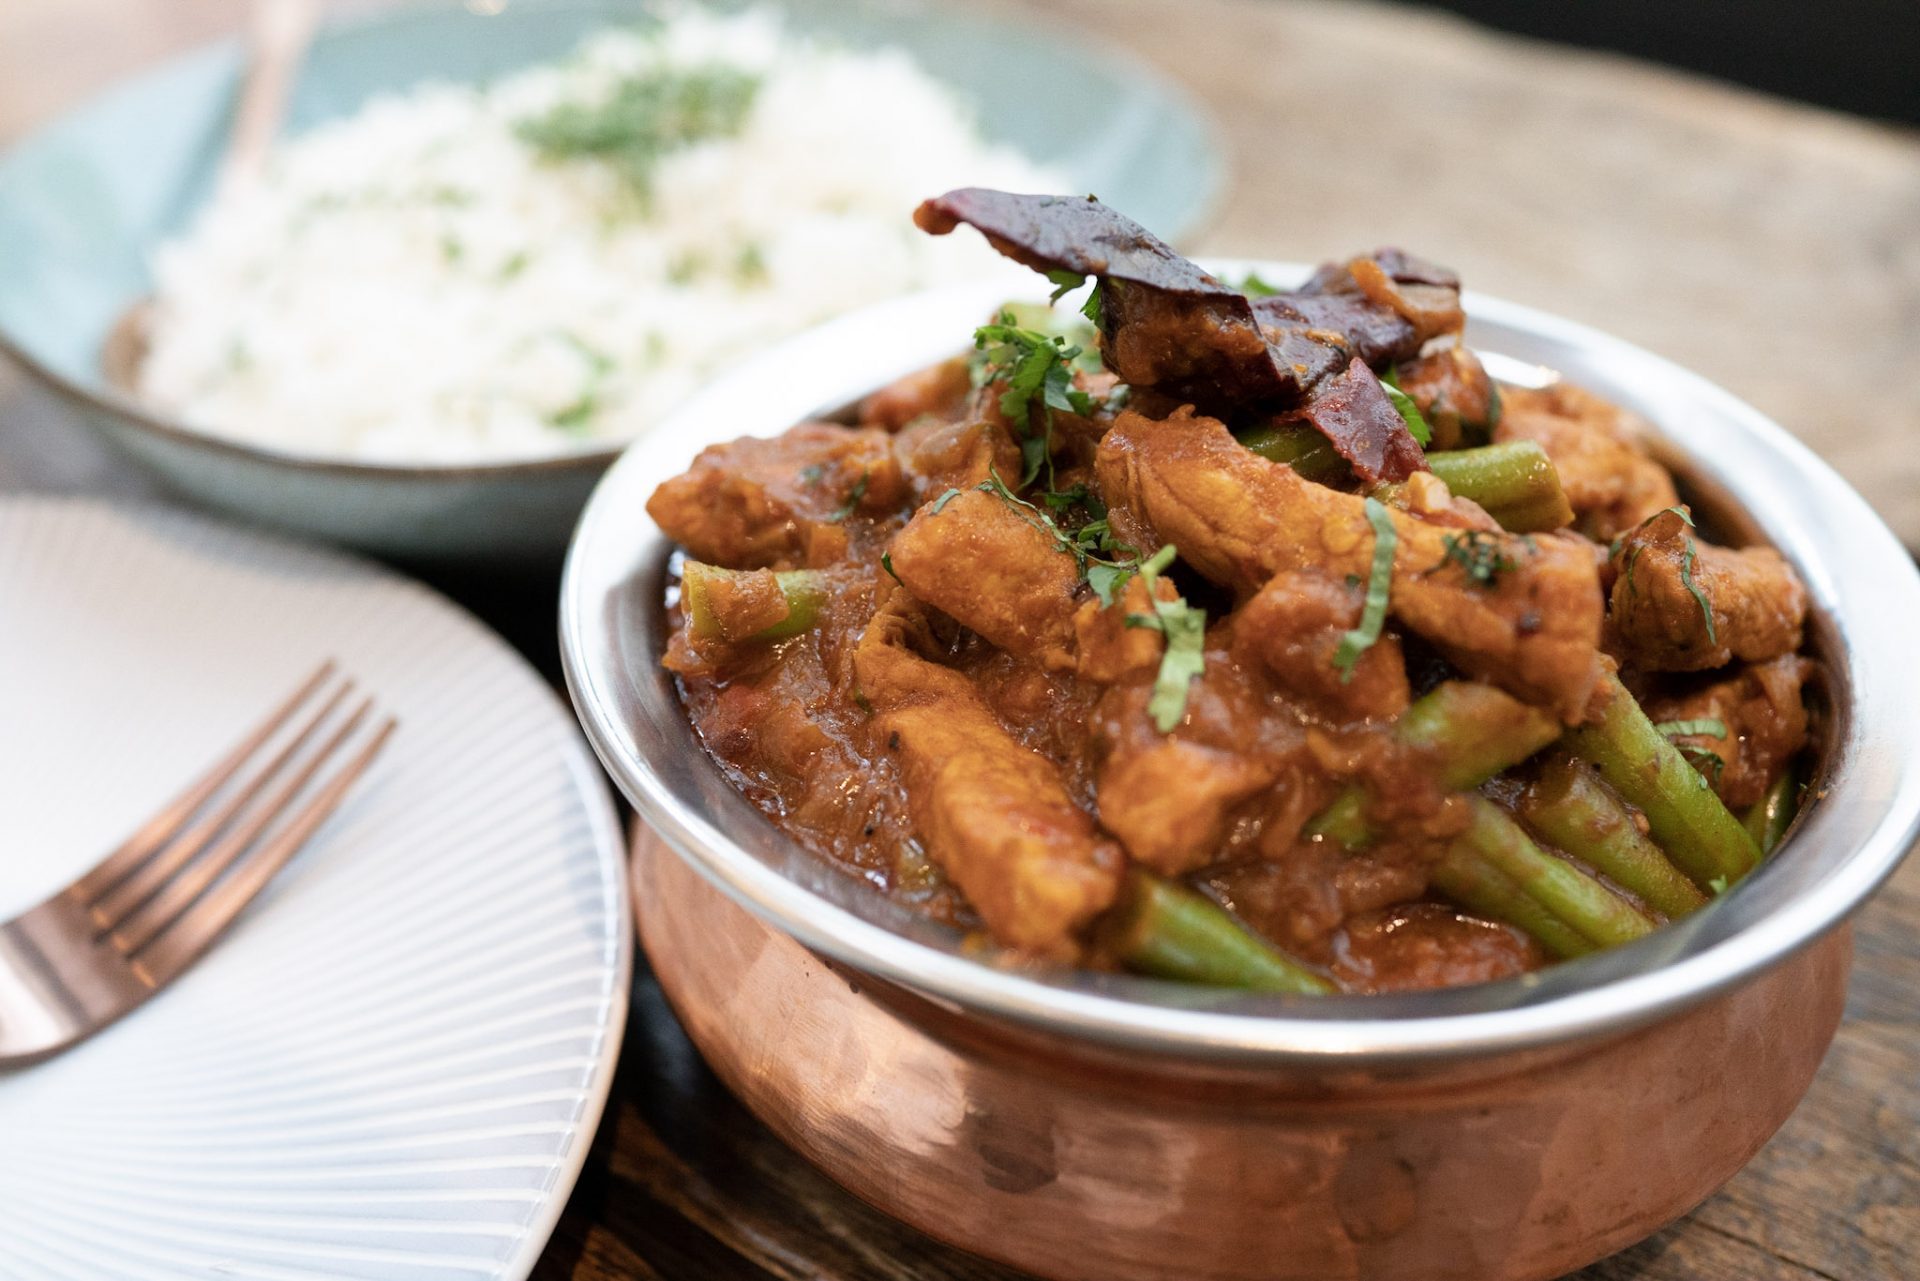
column 393, row 1067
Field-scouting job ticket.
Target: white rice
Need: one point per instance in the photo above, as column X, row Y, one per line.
column 415, row 283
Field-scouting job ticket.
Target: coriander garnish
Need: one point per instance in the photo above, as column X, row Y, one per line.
column 1254, row 287
column 1403, row 404
column 1185, row 657
column 1038, row 371
column 854, row 496
column 1688, row 555
column 1374, row 616
column 1482, row 556
column 1103, row 560
column 1703, row 727
column 1707, row 761
column 1064, row 283
column 646, row 116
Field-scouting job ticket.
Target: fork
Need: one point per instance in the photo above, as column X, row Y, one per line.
column 134, row 922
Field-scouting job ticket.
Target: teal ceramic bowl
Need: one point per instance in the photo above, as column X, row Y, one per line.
column 85, row 201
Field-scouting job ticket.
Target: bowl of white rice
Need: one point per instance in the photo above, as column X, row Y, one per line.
column 497, row 243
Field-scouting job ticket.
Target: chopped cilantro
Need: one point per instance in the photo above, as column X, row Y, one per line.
column 1253, row 287
column 1064, row 282
column 1403, row 404
column 1481, row 555
column 1091, row 307
column 1374, row 616
column 1035, row 452
column 854, row 496
column 1688, row 555
column 577, row 414
column 1060, row 500
column 644, row 117
column 750, row 267
column 1092, row 546
column 1107, row 580
column 1185, row 630
column 1633, row 558
column 1708, row 762
column 1037, row 369
column 1705, row 727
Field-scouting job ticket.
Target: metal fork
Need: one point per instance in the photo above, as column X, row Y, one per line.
column 133, row 923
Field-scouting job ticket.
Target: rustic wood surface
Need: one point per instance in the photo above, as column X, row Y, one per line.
column 1772, row 247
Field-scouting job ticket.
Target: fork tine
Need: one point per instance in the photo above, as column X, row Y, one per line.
column 193, row 875
column 193, row 931
column 169, row 857
column 157, row 830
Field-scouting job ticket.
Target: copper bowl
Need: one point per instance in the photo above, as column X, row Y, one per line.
column 1112, row 1127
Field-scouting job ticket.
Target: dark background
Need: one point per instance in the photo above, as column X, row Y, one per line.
column 1856, row 55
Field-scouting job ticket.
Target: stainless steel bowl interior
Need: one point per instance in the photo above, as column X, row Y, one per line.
column 1866, row 595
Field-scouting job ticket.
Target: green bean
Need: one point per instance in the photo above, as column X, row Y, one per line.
column 1767, row 822
column 1684, row 816
column 1475, row 884
column 1299, row 447
column 1471, row 732
column 1574, row 810
column 1172, row 932
column 804, row 589
column 1573, row 896
column 1514, row 480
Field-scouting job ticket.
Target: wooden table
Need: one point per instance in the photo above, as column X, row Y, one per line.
column 1772, row 247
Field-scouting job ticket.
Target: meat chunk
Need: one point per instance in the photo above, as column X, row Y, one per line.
column 992, row 567
column 940, row 456
column 1425, row 296
column 1764, row 713
column 993, row 815
column 1173, row 798
column 1531, row 628
column 937, row 391
column 1108, row 648
column 1680, row 604
column 1425, row 945
column 1609, row 478
column 1294, row 625
column 1303, row 897
column 759, row 502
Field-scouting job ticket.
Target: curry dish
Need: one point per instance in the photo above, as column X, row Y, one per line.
column 1240, row 636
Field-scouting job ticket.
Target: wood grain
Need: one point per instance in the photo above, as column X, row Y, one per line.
column 1774, row 248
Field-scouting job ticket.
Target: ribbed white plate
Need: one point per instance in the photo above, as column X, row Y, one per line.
column 393, row 1067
